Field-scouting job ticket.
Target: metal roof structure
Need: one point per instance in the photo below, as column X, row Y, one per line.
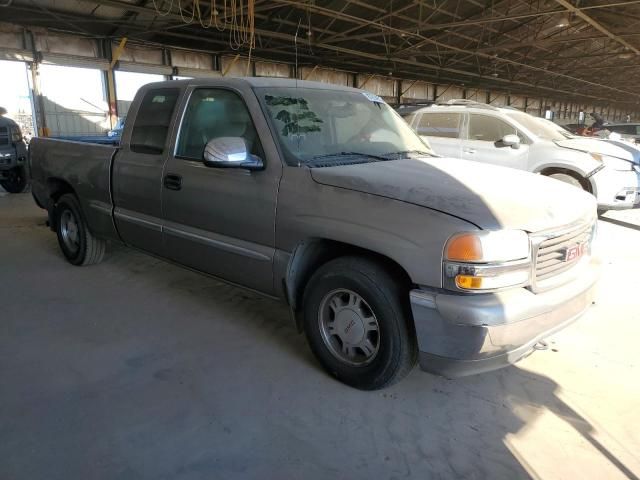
column 578, row 49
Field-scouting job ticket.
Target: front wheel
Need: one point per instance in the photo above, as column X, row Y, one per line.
column 356, row 319
column 77, row 243
column 15, row 180
column 570, row 179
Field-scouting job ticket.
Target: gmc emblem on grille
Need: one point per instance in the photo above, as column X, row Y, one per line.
column 574, row 252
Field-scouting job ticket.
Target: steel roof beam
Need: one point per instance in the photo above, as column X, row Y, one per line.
column 354, row 19
column 597, row 25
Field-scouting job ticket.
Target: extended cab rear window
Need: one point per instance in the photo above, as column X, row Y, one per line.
column 151, row 127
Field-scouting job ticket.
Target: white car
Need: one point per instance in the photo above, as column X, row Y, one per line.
column 511, row 138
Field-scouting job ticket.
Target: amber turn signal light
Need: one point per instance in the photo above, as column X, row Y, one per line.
column 464, row 248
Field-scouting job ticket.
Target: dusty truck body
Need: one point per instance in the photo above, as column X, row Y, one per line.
column 323, row 197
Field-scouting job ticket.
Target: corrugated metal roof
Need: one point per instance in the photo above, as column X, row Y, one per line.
column 550, row 47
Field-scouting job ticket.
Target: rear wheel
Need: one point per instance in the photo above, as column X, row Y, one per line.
column 356, row 321
column 15, row 180
column 77, row 243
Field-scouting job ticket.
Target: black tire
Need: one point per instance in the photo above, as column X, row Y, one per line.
column 386, row 297
column 38, row 203
column 570, row 179
column 86, row 249
column 16, row 180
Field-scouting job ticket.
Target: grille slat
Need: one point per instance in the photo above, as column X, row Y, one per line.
column 552, row 251
column 543, row 258
column 4, row 136
column 563, row 268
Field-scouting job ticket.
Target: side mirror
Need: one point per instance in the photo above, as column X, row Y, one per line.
column 230, row 152
column 511, row 140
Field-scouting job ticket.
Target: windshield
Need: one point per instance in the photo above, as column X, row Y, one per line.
column 316, row 127
column 539, row 127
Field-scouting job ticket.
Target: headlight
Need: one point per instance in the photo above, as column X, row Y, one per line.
column 485, row 246
column 613, row 162
column 485, row 261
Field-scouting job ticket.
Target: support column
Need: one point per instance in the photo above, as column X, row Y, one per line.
column 38, row 103
column 112, row 99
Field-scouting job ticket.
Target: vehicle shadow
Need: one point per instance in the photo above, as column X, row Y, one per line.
column 497, row 407
column 425, row 425
column 219, row 377
column 620, row 223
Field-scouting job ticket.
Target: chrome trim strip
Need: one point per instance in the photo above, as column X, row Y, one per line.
column 556, row 232
column 137, row 219
column 101, row 207
column 218, row 244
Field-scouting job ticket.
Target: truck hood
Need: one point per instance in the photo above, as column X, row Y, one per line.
column 592, row 145
column 487, row 196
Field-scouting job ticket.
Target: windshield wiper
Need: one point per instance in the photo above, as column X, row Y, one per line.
column 351, row 154
column 407, row 152
column 344, row 158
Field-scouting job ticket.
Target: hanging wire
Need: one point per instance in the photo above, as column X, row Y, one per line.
column 238, row 16
column 160, row 12
column 193, row 14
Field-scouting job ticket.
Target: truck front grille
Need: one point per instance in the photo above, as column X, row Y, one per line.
column 557, row 254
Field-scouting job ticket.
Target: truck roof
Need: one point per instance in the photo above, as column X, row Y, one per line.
column 254, row 82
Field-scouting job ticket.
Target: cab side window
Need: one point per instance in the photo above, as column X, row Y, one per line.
column 490, row 129
column 151, row 127
column 445, row 125
column 214, row 113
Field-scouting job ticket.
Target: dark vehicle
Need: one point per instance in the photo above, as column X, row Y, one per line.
column 13, row 156
column 322, row 196
column 628, row 131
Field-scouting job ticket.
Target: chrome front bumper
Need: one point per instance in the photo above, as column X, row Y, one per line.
column 461, row 335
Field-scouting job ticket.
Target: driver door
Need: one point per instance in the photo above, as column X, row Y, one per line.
column 220, row 220
column 483, row 142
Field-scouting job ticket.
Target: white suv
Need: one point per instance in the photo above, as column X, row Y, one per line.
column 511, row 138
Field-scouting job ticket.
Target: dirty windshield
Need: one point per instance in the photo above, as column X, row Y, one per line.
column 319, row 128
column 539, row 127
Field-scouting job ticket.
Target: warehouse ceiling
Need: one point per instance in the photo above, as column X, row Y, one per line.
column 586, row 49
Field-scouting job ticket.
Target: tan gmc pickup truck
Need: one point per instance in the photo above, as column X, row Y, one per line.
column 322, row 196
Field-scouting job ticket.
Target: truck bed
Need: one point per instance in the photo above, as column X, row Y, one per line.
column 85, row 167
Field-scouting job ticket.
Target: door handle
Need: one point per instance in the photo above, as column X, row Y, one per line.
column 172, row 181
column 469, row 150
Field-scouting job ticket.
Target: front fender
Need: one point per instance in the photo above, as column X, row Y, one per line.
column 411, row 236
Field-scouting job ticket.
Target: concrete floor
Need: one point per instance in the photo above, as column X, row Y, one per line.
column 139, row 369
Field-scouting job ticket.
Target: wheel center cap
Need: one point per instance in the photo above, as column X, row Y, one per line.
column 350, row 326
